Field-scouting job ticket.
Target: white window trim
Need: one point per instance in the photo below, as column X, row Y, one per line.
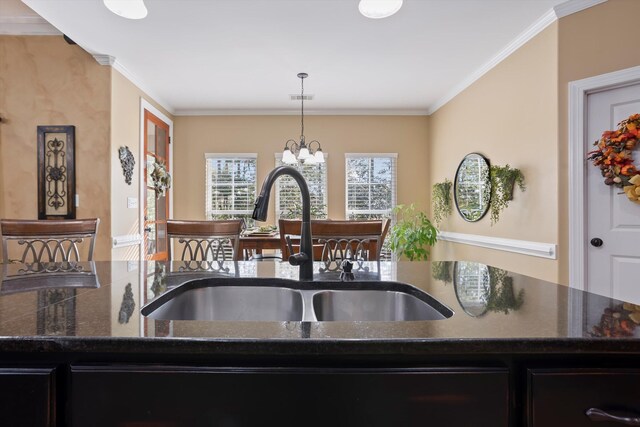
column 394, row 200
column 227, row 156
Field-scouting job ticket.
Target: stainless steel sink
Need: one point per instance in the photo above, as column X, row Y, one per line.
column 372, row 305
column 278, row 300
column 232, row 303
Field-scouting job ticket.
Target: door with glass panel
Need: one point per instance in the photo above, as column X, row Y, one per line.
column 156, row 201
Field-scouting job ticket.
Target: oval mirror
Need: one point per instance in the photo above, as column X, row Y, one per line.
column 472, row 187
column 472, row 284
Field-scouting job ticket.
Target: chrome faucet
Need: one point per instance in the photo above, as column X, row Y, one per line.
column 304, row 258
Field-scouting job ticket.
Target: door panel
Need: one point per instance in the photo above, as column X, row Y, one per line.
column 156, row 208
column 613, row 267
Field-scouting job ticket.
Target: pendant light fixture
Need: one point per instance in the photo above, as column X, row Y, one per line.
column 130, row 9
column 377, row 9
column 301, row 152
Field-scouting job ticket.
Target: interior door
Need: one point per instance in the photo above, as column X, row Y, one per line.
column 613, row 261
column 156, row 206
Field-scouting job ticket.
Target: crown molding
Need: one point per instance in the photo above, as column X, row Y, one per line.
column 112, row 61
column 560, row 11
column 574, row 6
column 296, row 112
column 27, row 25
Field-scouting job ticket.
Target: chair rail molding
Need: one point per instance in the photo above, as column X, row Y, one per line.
column 537, row 249
column 578, row 92
column 126, row 240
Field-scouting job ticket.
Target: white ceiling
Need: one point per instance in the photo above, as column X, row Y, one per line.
column 242, row 56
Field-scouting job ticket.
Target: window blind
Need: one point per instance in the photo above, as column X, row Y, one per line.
column 230, row 185
column 371, row 189
column 288, row 197
column 371, row 185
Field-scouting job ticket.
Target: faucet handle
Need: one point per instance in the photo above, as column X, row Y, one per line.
column 295, row 259
column 288, row 239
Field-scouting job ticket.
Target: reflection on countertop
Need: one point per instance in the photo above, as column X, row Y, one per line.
column 103, row 299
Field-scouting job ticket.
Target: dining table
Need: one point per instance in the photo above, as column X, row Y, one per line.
column 252, row 244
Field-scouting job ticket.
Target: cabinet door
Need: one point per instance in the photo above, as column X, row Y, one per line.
column 563, row 397
column 170, row 396
column 26, row 397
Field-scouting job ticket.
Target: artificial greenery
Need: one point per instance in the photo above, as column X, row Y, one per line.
column 503, row 180
column 502, row 297
column 441, row 270
column 441, row 200
column 413, row 234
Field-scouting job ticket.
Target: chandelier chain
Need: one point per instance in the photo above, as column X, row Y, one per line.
column 302, row 115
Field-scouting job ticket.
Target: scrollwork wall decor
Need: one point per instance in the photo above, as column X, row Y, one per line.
column 128, row 162
column 56, row 172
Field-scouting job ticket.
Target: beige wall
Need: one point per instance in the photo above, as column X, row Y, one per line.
column 509, row 115
column 45, row 81
column 595, row 41
column 125, row 131
column 266, row 135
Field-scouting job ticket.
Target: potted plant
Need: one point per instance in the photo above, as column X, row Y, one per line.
column 413, row 233
column 503, row 181
column 441, row 201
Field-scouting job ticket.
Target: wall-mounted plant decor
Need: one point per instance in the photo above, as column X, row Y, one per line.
column 503, row 181
column 56, row 172
column 441, row 201
column 128, row 162
column 413, row 234
column 441, row 270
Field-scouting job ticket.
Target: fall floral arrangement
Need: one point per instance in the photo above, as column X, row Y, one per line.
column 161, row 179
column 614, row 157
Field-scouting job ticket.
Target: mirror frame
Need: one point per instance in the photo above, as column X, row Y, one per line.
column 455, row 187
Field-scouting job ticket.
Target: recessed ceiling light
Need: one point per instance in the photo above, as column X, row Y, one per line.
column 377, row 9
column 130, row 9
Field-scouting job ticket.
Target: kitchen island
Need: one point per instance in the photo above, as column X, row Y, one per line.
column 517, row 351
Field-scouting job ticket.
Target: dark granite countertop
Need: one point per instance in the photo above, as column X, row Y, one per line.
column 95, row 307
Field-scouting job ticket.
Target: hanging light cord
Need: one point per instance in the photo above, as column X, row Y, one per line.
column 302, row 115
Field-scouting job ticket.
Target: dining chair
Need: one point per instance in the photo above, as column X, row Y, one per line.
column 40, row 241
column 338, row 239
column 216, row 240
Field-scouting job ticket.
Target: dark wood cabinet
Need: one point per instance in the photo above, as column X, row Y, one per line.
column 562, row 397
column 196, row 396
column 27, row 397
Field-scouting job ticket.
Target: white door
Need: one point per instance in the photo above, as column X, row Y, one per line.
column 613, row 268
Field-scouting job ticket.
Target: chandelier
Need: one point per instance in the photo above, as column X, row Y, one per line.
column 301, row 152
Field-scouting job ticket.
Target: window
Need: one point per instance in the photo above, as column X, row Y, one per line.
column 371, row 185
column 371, row 189
column 230, row 186
column 288, row 198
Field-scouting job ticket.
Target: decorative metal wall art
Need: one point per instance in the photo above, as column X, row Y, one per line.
column 127, row 306
column 128, row 162
column 57, row 312
column 56, row 172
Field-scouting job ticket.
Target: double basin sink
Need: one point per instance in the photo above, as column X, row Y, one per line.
column 279, row 300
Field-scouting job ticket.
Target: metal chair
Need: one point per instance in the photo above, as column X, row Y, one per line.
column 48, row 241
column 205, row 240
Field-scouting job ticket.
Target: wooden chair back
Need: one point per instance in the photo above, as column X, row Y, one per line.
column 338, row 238
column 40, row 241
column 205, row 240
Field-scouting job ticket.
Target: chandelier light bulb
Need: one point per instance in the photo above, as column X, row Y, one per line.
column 130, row 9
column 377, row 9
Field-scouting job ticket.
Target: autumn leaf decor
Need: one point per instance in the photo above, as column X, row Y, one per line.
column 614, row 156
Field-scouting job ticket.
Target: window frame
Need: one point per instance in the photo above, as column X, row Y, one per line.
column 210, row 213
column 278, row 162
column 394, row 185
